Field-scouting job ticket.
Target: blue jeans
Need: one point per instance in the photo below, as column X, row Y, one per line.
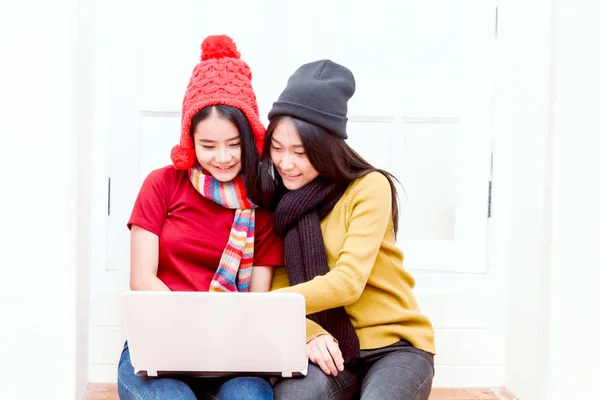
column 133, row 387
column 396, row 372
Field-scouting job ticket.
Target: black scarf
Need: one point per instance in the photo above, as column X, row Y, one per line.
column 297, row 219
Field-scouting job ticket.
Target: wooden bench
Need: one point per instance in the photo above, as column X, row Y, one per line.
column 108, row 391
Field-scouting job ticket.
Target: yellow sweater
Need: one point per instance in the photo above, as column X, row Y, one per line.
column 367, row 276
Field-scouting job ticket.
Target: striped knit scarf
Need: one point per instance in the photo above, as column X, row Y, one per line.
column 235, row 266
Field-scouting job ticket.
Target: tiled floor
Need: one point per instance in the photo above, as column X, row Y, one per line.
column 109, row 392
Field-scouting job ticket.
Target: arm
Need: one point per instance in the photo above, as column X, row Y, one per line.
column 321, row 348
column 146, row 221
column 314, row 330
column 280, row 281
column 261, row 279
column 371, row 204
column 144, row 261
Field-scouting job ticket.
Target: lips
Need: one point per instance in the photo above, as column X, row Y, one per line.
column 224, row 168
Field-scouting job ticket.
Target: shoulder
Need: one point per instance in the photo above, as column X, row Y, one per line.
column 163, row 182
column 166, row 174
column 264, row 220
column 167, row 178
column 373, row 185
column 369, row 199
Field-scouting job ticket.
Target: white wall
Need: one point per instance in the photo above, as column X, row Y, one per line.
column 85, row 102
column 521, row 182
column 573, row 347
column 38, row 167
column 548, row 111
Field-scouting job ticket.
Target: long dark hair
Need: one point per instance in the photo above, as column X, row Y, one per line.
column 249, row 150
column 330, row 155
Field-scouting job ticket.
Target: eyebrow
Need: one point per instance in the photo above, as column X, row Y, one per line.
column 215, row 141
column 279, row 143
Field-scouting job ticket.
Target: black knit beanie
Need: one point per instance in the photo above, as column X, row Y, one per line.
column 318, row 92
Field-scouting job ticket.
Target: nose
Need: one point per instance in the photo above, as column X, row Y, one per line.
column 223, row 155
column 286, row 163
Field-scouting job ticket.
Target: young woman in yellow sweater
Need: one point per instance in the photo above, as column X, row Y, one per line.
column 339, row 216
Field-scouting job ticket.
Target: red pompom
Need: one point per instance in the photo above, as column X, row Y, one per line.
column 219, row 46
column 183, row 158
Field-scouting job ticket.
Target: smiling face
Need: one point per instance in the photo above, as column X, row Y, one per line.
column 289, row 158
column 218, row 149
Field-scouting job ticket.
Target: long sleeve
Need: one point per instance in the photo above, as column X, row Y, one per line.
column 280, row 280
column 368, row 209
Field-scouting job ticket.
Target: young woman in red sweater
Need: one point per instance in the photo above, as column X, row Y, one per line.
column 194, row 222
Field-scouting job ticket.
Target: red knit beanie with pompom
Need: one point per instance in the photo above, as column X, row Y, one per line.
column 221, row 77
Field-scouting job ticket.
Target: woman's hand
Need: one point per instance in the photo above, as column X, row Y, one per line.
column 325, row 352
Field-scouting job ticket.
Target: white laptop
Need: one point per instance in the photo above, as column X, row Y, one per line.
column 216, row 334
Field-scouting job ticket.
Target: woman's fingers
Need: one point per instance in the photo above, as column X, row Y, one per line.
column 326, row 358
column 316, row 356
column 310, row 353
column 335, row 352
column 325, row 352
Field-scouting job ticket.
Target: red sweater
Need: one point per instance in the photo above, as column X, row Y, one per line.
column 194, row 230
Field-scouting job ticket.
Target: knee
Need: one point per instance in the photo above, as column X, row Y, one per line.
column 404, row 374
column 154, row 389
column 314, row 385
column 133, row 387
column 251, row 388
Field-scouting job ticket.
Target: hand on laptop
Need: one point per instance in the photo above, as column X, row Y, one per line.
column 325, row 352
